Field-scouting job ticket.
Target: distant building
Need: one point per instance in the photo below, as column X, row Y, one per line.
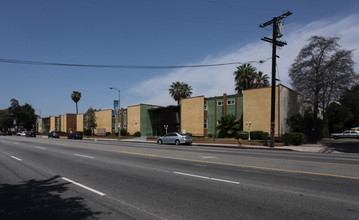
column 199, row 116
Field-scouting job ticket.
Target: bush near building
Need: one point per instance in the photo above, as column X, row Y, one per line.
column 293, row 138
column 255, row 135
column 137, row 134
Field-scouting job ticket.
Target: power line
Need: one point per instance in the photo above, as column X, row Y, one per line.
column 27, row 62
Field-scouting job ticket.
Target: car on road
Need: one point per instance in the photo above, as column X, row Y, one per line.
column 75, row 135
column 174, row 138
column 346, row 134
column 6, row 133
column 30, row 134
column 23, row 134
column 53, row 134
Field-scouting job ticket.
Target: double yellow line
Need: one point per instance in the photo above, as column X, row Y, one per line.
column 230, row 164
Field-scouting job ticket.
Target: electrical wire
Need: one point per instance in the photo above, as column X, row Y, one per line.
column 26, row 62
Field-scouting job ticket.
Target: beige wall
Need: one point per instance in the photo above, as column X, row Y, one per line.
column 192, row 115
column 104, row 120
column 63, row 124
column 133, row 119
column 52, row 123
column 80, row 122
column 257, row 109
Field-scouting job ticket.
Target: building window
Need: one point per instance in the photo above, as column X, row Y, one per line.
column 205, row 105
column 124, row 126
column 124, row 112
column 205, row 123
column 218, row 122
column 113, row 115
column 230, row 102
column 113, row 126
column 220, row 103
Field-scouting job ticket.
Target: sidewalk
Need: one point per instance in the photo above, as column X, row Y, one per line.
column 314, row 148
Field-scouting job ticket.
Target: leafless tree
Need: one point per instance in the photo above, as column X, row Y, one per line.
column 322, row 71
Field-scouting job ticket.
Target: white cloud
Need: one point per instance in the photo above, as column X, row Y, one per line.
column 215, row 81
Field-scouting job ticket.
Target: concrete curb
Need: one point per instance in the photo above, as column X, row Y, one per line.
column 314, row 149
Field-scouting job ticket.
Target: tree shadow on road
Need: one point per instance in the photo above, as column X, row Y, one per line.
column 343, row 145
column 40, row 199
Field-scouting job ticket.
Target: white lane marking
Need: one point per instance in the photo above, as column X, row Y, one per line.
column 41, row 148
column 208, row 157
column 208, row 178
column 16, row 158
column 16, row 143
column 83, row 186
column 80, row 155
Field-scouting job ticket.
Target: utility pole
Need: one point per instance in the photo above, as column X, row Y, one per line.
column 277, row 33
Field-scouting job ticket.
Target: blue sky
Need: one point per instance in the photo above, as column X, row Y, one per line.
column 150, row 32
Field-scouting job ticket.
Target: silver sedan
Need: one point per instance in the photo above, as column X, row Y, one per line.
column 174, row 138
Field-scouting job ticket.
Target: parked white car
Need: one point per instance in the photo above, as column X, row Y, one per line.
column 346, row 134
column 23, row 134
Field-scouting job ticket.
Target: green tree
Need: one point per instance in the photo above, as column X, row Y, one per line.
column 179, row 90
column 247, row 77
column 27, row 116
column 339, row 117
column 91, row 119
column 296, row 123
column 5, row 120
column 350, row 99
column 228, row 126
column 76, row 96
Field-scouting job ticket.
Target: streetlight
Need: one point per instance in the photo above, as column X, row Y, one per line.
column 118, row 113
column 249, row 130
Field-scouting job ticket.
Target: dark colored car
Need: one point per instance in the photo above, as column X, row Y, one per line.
column 30, row 134
column 6, row 133
column 53, row 134
column 75, row 135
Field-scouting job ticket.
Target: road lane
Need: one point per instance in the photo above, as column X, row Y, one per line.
column 142, row 180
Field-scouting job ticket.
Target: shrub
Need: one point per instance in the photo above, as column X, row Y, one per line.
column 123, row 132
column 87, row 132
column 259, row 135
column 137, row 134
column 293, row 138
column 108, row 133
column 189, row 134
column 242, row 135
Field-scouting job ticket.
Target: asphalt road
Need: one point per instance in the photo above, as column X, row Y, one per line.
column 71, row 179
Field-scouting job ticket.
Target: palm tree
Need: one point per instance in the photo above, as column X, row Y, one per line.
column 247, row 77
column 244, row 77
column 228, row 126
column 180, row 90
column 76, row 96
column 262, row 80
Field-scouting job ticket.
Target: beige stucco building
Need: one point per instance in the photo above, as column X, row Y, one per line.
column 257, row 108
column 105, row 120
column 193, row 115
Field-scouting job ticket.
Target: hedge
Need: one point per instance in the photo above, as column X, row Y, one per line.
column 255, row 135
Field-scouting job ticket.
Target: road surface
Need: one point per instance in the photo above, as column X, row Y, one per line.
column 80, row 179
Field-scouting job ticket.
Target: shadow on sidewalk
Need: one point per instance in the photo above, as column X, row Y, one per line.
column 350, row 145
column 40, row 199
